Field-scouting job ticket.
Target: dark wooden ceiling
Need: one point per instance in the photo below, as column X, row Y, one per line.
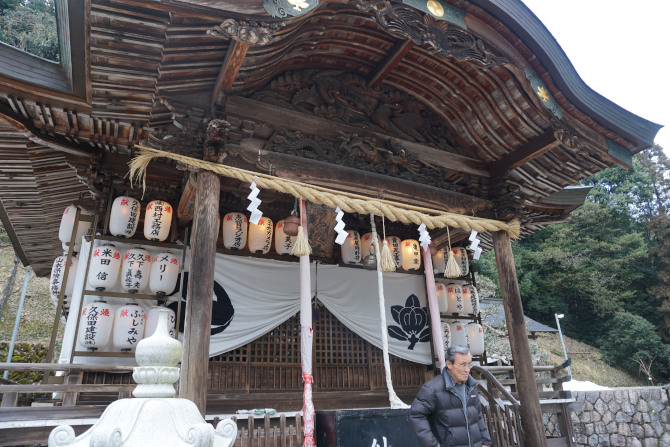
column 464, row 117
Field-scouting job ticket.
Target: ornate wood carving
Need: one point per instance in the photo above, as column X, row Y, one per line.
column 567, row 136
column 250, row 32
column 321, row 227
column 425, row 30
column 506, row 197
column 362, row 153
column 346, row 98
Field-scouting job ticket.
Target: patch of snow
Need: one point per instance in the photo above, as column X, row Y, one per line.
column 578, row 385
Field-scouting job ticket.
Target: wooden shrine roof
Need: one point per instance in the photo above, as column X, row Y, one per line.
column 481, row 113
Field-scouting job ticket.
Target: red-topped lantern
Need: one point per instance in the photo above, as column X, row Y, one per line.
column 135, row 270
column 351, row 248
column 461, row 256
column 367, row 244
column 459, row 333
column 129, row 321
column 124, row 216
column 440, row 261
column 67, row 224
column 283, row 242
column 455, row 299
column 164, row 274
column 104, row 267
column 260, row 235
column 442, row 302
column 411, row 255
column 235, row 227
column 97, row 320
column 476, row 338
column 157, row 220
column 395, row 243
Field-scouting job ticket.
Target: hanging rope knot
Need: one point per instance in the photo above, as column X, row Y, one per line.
column 307, row 378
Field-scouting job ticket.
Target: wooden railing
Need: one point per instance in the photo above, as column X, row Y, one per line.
column 502, row 412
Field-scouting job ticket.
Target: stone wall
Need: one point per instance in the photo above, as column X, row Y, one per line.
column 630, row 417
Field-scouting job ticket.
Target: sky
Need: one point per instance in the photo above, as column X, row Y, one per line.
column 621, row 49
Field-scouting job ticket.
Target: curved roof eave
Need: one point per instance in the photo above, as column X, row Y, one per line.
column 516, row 16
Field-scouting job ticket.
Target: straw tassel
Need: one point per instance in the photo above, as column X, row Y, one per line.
column 453, row 270
column 301, row 246
column 386, row 261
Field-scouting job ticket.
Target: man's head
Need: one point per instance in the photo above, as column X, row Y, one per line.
column 459, row 361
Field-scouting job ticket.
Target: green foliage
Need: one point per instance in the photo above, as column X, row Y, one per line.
column 30, row 25
column 25, row 353
column 631, row 336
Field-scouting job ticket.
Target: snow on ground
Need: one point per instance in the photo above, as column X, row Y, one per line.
column 578, row 385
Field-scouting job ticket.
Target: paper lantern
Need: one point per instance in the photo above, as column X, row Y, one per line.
column 235, row 231
column 152, row 321
column 95, row 327
column 164, row 274
column 67, row 224
column 128, row 330
column 446, row 334
column 476, row 338
column 455, row 299
column 124, row 216
column 157, row 220
column 367, row 245
column 104, row 266
column 135, row 270
column 351, row 248
column 461, row 256
column 57, row 274
column 440, row 261
column 394, row 243
column 442, row 302
column 459, row 333
column 410, row 255
column 283, row 242
column 260, row 236
column 470, row 299
column 75, row 249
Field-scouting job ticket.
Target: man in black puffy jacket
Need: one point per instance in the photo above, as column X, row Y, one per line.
column 447, row 412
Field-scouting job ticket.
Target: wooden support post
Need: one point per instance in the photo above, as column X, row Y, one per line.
column 194, row 365
column 531, row 413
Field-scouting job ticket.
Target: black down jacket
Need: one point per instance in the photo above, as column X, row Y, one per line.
column 437, row 415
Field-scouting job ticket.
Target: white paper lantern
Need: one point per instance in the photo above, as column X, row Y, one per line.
column 394, row 245
column 67, row 224
column 442, row 302
column 124, row 216
column 157, row 220
column 129, row 321
column 235, row 231
column 411, row 255
column 440, row 261
column 367, row 244
column 57, row 274
column 351, row 248
column 164, row 274
column 283, row 242
column 446, row 333
column 455, row 299
column 152, row 321
column 135, row 270
column 95, row 327
column 104, row 266
column 476, row 338
column 461, row 256
column 470, row 299
column 459, row 333
column 260, row 235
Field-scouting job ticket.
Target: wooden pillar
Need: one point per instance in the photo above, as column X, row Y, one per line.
column 531, row 413
column 195, row 360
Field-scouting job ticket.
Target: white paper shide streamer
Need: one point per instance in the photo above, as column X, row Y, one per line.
column 256, row 214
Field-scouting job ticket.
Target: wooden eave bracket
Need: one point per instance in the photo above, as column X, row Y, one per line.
column 229, row 69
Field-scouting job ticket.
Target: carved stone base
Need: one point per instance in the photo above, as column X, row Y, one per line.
column 149, row 422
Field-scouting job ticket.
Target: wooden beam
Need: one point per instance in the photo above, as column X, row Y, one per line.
column 531, row 413
column 397, row 54
column 354, row 180
column 523, row 154
column 231, row 66
column 281, row 118
column 195, row 360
